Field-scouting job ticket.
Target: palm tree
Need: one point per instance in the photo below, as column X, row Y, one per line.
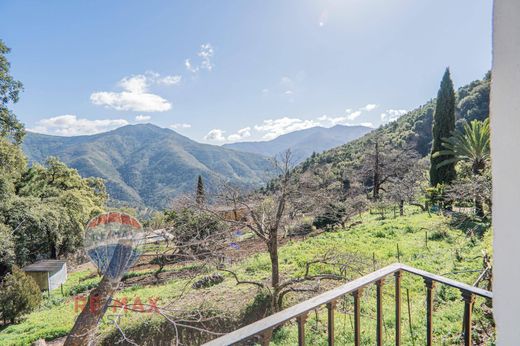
column 472, row 145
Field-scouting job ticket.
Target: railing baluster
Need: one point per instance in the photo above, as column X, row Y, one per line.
column 265, row 327
column 357, row 317
column 469, row 299
column 430, row 284
column 266, row 337
column 330, row 317
column 301, row 329
column 398, row 275
column 379, row 294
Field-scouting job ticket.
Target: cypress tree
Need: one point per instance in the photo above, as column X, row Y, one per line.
column 443, row 126
column 201, row 195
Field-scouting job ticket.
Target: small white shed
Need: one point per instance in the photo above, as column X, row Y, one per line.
column 48, row 274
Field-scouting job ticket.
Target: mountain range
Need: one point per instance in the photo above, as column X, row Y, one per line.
column 145, row 165
column 304, row 142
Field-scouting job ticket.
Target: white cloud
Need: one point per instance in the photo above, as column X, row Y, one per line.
column 142, row 117
column 369, row 107
column 273, row 128
column 392, row 115
column 353, row 115
column 325, row 120
column 179, row 126
column 71, row 125
column 170, row 80
column 129, row 101
column 215, row 135
column 205, row 55
column 189, row 66
column 135, row 95
column 367, row 124
column 241, row 134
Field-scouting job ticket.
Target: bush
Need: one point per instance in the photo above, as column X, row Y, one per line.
column 302, row 228
column 196, row 232
column 19, row 295
column 333, row 215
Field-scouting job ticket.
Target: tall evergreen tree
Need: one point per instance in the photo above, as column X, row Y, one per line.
column 443, row 126
column 201, row 194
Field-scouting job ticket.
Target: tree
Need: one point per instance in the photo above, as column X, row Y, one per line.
column 471, row 145
column 200, row 195
column 443, row 126
column 406, row 188
column 19, row 295
column 386, row 165
column 267, row 213
column 51, row 205
column 10, row 127
column 6, row 250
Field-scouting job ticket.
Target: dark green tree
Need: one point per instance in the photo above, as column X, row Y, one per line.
column 443, row 126
column 200, row 196
column 19, row 295
column 10, row 88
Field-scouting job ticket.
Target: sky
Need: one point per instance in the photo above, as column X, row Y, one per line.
column 227, row 71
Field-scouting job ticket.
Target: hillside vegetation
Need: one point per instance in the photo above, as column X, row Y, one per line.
column 452, row 249
column 145, row 165
column 412, row 129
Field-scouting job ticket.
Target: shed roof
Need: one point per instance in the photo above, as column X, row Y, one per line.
column 45, row 266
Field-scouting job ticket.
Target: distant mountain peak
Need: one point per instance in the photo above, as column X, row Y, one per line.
column 304, row 142
column 147, row 165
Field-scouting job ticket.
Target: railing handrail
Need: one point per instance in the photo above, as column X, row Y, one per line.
column 449, row 282
column 294, row 311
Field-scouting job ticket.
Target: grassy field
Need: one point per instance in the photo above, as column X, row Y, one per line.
column 433, row 243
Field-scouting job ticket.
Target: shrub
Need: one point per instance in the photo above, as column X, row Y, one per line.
column 19, row 295
column 333, row 215
column 302, row 228
column 195, row 232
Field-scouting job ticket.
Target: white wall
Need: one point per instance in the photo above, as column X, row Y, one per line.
column 505, row 142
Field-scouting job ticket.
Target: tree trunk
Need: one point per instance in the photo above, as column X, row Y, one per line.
column 401, row 208
column 376, row 177
column 85, row 327
column 477, row 169
column 275, row 270
column 479, row 207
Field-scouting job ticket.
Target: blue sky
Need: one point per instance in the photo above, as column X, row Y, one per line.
column 221, row 71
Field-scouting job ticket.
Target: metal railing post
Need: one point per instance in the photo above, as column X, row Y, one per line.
column 430, row 284
column 330, row 319
column 301, row 329
column 398, row 275
column 379, row 307
column 266, row 337
column 357, row 316
column 469, row 300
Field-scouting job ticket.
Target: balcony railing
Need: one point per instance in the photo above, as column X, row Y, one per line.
column 263, row 329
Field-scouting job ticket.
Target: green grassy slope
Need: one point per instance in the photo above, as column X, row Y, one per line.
column 450, row 252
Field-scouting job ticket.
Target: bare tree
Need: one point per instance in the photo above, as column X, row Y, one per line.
column 386, row 164
column 406, row 186
column 266, row 214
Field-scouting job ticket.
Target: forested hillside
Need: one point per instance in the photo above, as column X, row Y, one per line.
column 145, row 165
column 413, row 130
